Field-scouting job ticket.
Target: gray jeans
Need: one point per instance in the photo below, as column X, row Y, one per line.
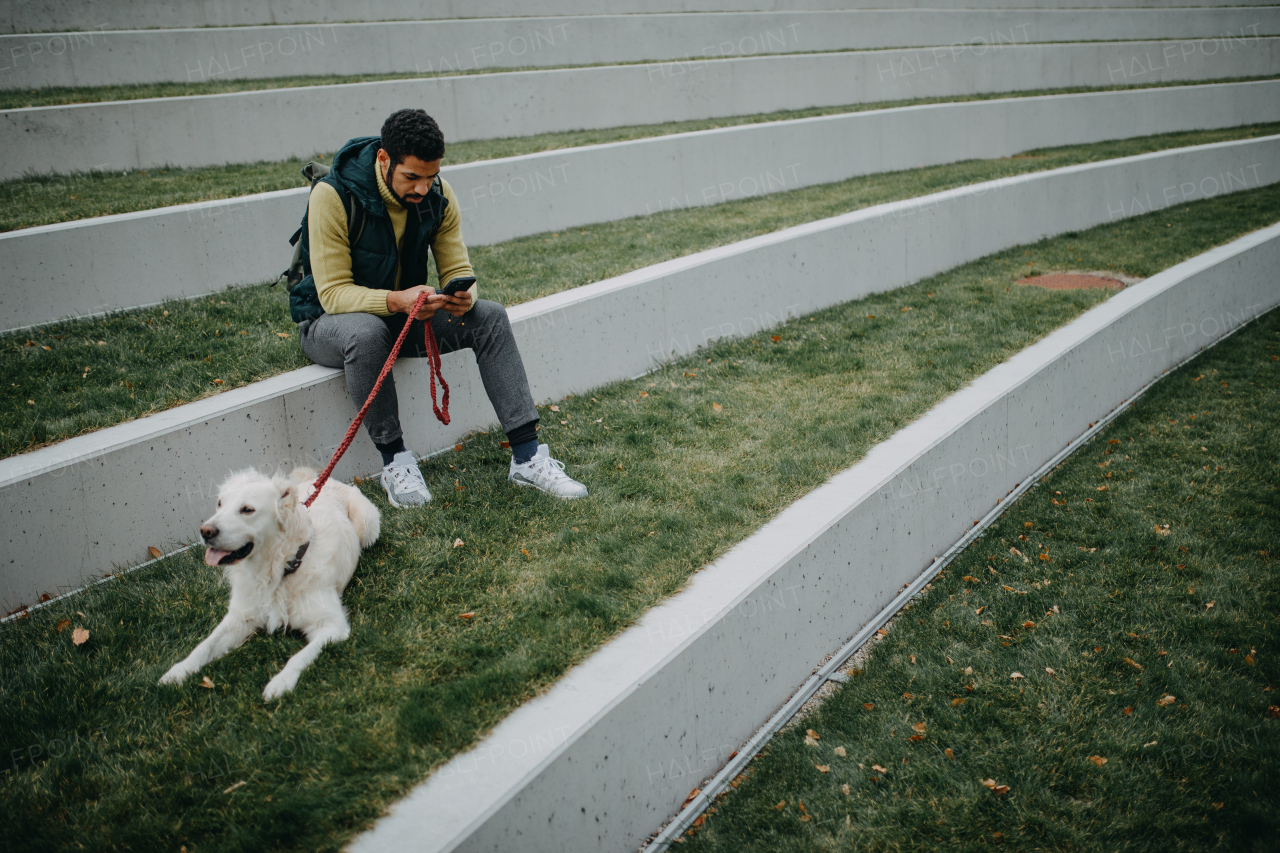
column 360, row 344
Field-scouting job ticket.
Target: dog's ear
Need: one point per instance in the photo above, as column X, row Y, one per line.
column 287, row 500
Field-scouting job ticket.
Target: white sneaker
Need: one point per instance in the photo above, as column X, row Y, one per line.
column 403, row 481
column 543, row 472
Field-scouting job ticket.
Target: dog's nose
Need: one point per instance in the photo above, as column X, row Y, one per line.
column 208, row 531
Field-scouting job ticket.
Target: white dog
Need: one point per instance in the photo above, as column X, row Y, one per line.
column 287, row 565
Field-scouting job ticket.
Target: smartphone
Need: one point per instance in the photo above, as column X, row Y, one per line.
column 457, row 285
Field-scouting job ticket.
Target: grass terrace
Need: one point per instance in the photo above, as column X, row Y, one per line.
column 682, row 464
column 45, row 199
column 69, row 378
column 1116, row 686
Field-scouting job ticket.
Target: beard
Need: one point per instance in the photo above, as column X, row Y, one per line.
column 386, row 178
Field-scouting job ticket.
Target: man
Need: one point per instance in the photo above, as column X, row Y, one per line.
column 357, row 293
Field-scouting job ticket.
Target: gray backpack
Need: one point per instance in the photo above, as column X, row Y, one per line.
column 314, row 172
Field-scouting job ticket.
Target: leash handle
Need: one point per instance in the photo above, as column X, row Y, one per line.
column 433, row 363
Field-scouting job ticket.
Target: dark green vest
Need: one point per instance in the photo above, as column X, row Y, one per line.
column 374, row 257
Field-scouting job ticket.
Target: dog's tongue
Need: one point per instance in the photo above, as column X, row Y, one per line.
column 213, row 555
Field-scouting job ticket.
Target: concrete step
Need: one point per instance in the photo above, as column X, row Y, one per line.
column 606, row 756
column 282, row 123
column 129, row 260
column 25, row 16
column 124, row 57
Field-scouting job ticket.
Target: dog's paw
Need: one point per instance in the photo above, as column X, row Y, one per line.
column 176, row 675
column 283, row 683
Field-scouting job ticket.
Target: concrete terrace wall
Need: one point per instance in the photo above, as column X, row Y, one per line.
column 282, row 123
column 74, row 510
column 114, row 262
column 610, row 752
column 116, row 57
column 26, row 16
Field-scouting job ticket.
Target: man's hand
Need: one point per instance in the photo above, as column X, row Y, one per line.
column 458, row 304
column 401, row 302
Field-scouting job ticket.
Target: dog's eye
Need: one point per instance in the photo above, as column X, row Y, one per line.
column 246, row 510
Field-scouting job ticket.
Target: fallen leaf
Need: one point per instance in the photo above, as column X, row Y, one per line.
column 217, row 382
column 457, row 448
column 1162, row 530
column 782, row 805
column 970, row 579
column 1028, row 624
column 907, row 696
column 840, row 751
column 154, row 552
column 913, row 658
column 1248, row 659
column 775, row 338
column 79, row 636
column 919, row 728
column 957, row 702
column 716, row 407
column 823, row 768
column 1102, row 488
column 1049, row 670
column 845, row 789
column 882, row 632
column 811, row 733
column 988, row 623
column 1098, row 760
column 916, row 737
column 978, row 612
column 804, row 815
column 808, row 741
column 1017, row 675
column 239, row 784
column 458, row 543
column 1208, row 605
column 1007, row 588
column 867, row 706
column 555, row 408
column 206, row 683
column 1133, row 663
column 1128, row 712
column 1001, row 789
column 467, row 615
column 285, row 335
column 1166, row 700
column 1273, row 710
column 878, row 768
column 62, row 625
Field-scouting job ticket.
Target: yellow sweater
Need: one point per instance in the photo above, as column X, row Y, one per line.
column 331, row 250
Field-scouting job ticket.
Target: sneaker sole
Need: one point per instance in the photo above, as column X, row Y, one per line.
column 516, row 482
column 391, row 499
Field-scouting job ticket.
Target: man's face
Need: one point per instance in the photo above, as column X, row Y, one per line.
column 411, row 179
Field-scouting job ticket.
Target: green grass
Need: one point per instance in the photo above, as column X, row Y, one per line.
column 150, row 361
column 1197, row 608
column 41, row 200
column 98, row 755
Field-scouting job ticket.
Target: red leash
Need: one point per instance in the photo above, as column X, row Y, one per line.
column 433, row 362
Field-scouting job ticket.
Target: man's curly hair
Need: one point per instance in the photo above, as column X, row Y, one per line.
column 412, row 132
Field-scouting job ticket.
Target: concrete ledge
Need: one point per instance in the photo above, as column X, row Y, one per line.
column 124, row 57
column 77, row 509
column 30, row 16
column 281, row 123
column 113, row 262
column 610, row 753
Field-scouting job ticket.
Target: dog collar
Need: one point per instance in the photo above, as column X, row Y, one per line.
column 291, row 566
